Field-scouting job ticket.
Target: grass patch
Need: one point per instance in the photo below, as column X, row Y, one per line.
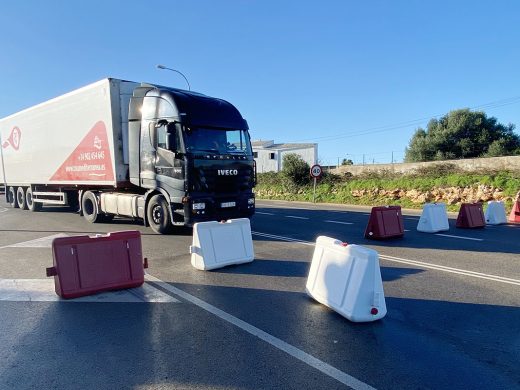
column 396, row 189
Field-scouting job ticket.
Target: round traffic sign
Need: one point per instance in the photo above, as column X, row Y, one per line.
column 316, row 170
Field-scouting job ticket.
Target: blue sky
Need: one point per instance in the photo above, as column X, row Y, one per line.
column 356, row 77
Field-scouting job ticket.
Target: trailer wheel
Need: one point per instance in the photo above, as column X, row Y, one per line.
column 90, row 208
column 11, row 197
column 29, row 201
column 158, row 214
column 20, row 198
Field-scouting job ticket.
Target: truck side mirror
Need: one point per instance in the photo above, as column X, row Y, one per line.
column 170, row 142
column 171, row 131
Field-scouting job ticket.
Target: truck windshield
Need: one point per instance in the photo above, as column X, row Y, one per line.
column 219, row 141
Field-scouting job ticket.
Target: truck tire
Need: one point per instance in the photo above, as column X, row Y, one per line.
column 20, row 198
column 90, row 208
column 158, row 215
column 11, row 197
column 29, row 201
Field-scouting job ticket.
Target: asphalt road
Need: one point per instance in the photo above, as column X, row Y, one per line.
column 453, row 311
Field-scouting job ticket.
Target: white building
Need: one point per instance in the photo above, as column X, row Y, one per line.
column 269, row 156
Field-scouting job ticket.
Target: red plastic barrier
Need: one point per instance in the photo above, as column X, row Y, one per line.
column 385, row 222
column 515, row 213
column 471, row 216
column 85, row 265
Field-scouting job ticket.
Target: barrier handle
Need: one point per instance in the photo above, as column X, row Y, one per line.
column 194, row 249
column 51, row 271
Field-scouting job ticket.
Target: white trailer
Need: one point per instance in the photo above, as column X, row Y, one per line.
column 77, row 138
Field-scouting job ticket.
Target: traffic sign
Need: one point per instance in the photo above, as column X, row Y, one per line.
column 316, row 170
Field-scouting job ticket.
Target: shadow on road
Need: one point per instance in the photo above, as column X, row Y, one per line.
column 285, row 268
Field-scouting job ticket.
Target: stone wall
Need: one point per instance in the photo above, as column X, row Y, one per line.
column 449, row 195
column 510, row 163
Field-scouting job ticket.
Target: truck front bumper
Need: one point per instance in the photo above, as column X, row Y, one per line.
column 202, row 209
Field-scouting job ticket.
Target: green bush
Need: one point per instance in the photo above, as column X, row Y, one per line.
column 295, row 169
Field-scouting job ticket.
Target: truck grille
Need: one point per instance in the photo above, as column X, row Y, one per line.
column 207, row 179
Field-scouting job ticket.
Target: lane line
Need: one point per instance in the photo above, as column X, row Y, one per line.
column 295, row 217
column 459, row 271
column 297, row 353
column 281, row 238
column 459, row 237
column 473, row 274
column 42, row 242
column 258, row 212
column 340, row 222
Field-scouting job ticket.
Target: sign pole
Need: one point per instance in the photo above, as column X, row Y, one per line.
column 314, row 192
column 316, row 171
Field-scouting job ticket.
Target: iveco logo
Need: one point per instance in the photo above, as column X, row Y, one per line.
column 227, row 172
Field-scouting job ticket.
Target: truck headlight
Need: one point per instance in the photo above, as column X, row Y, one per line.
column 199, row 206
column 251, row 201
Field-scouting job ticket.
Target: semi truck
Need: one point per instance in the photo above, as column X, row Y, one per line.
column 166, row 156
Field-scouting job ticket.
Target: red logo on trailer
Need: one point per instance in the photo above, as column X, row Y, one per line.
column 90, row 160
column 14, row 139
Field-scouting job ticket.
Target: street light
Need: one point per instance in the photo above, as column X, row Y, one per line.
column 175, row 70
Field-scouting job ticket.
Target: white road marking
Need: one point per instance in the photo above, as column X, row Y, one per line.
column 282, row 238
column 459, row 237
column 295, row 217
column 259, row 212
column 44, row 242
column 3, row 209
column 297, row 353
column 459, row 271
column 42, row 290
column 422, row 264
column 340, row 222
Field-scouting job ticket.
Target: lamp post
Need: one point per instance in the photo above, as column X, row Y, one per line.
column 175, row 70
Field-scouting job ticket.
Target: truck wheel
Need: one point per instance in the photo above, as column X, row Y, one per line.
column 29, row 201
column 11, row 197
column 90, row 208
column 20, row 198
column 158, row 214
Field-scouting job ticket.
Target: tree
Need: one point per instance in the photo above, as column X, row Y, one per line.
column 295, row 168
column 462, row 134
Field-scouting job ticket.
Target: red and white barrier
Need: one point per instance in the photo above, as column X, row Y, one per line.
column 347, row 278
column 495, row 213
column 219, row 244
column 434, row 218
column 85, row 265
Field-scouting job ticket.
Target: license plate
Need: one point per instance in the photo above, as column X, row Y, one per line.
column 228, row 204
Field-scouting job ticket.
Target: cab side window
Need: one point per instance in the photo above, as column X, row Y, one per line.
column 161, row 137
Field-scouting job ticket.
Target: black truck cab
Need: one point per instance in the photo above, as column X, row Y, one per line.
column 192, row 154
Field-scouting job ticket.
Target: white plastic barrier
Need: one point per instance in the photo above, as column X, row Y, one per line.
column 218, row 244
column 434, row 218
column 347, row 278
column 495, row 213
